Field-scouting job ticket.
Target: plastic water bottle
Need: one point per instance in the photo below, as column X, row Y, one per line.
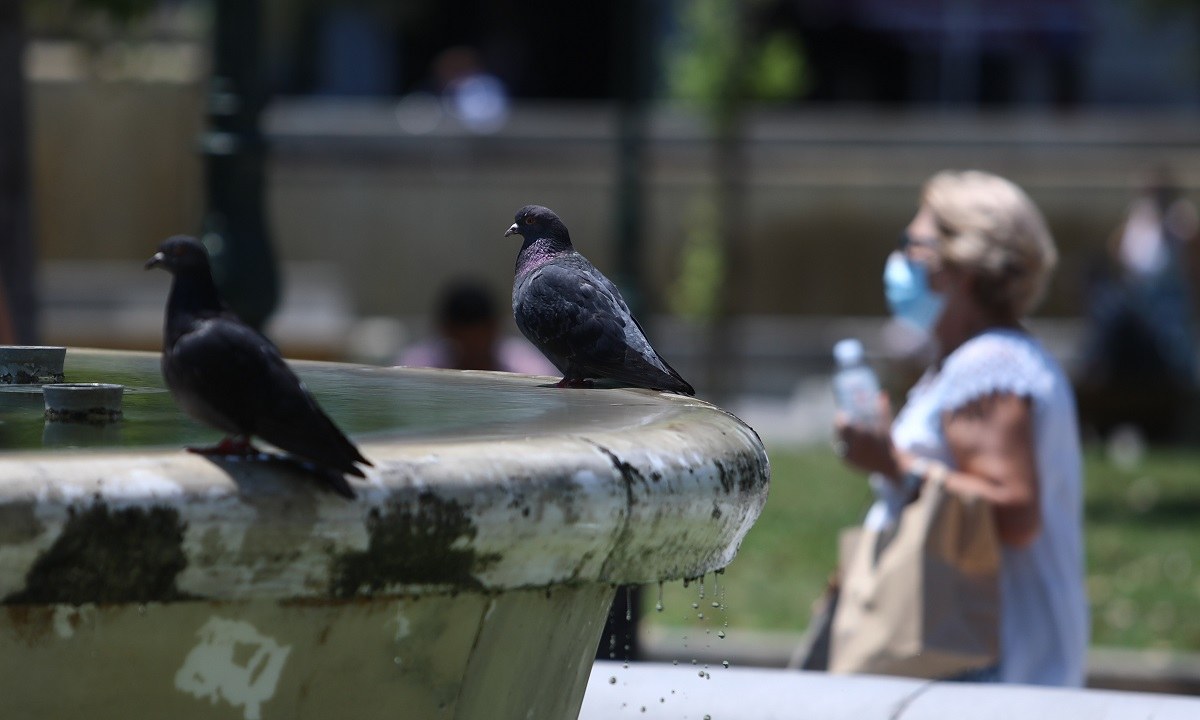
column 856, row 392
column 855, row 387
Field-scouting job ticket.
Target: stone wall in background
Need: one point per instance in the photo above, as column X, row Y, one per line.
column 397, row 213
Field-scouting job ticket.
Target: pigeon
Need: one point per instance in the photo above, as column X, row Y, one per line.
column 227, row 375
column 576, row 316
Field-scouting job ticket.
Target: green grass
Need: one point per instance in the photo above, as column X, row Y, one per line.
column 1143, row 549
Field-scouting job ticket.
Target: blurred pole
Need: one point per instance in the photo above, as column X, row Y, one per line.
column 18, row 291
column 730, row 170
column 633, row 74
column 634, row 43
column 235, row 228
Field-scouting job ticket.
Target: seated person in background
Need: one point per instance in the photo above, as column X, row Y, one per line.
column 469, row 336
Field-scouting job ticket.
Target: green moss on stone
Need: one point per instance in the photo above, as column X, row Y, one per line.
column 423, row 544
column 109, row 556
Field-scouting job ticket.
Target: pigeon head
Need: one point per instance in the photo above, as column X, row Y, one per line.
column 180, row 254
column 534, row 222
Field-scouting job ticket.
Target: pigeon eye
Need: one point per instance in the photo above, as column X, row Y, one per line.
column 529, row 220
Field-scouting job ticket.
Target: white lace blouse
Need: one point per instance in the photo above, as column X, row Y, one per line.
column 1044, row 611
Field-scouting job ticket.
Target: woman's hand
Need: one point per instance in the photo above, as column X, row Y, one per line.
column 868, row 448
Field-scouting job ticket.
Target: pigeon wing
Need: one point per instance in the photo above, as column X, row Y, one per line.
column 578, row 318
column 238, row 374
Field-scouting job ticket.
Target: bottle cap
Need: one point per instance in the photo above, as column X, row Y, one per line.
column 848, row 352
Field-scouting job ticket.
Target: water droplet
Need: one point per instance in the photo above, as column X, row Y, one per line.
column 701, row 587
column 695, row 606
column 674, row 662
column 397, row 661
column 141, row 609
column 612, row 680
column 716, row 604
column 662, row 700
column 699, row 616
column 658, row 606
column 693, row 661
column 626, row 666
column 709, row 717
column 643, row 708
column 628, row 603
column 721, row 634
column 725, row 664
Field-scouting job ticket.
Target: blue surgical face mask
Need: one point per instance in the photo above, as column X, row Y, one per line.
column 906, row 285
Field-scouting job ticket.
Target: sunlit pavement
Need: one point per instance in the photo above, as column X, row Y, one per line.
column 655, row 690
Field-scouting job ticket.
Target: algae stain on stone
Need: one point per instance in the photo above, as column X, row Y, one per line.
column 109, row 556
column 426, row 543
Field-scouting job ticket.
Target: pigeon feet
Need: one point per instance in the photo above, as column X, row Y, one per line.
column 234, row 445
column 573, row 383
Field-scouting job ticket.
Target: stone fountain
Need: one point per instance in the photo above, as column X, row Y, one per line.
column 470, row 579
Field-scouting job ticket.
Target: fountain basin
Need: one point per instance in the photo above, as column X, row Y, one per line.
column 471, row 578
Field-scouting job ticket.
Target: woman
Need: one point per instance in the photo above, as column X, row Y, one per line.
column 994, row 416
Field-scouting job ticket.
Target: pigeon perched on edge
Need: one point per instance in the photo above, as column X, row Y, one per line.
column 227, row 375
column 575, row 315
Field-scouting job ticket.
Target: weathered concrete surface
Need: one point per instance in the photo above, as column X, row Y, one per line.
column 651, row 690
column 467, row 656
column 470, row 578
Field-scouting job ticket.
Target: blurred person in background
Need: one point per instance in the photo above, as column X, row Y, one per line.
column 993, row 416
column 469, row 336
column 1139, row 354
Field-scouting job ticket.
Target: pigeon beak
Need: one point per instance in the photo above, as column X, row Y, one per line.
column 155, row 260
column 512, row 230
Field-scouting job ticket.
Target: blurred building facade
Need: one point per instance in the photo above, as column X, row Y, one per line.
column 372, row 178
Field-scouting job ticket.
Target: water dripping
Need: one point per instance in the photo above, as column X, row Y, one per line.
column 628, row 605
column 659, row 605
column 721, row 634
column 725, row 664
column 701, row 587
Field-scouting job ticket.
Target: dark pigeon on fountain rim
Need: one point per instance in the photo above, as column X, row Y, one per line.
column 575, row 315
column 229, row 376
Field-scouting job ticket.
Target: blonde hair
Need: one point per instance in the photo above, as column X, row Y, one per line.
column 989, row 226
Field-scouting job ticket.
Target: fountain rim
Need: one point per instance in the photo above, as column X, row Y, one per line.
column 667, row 499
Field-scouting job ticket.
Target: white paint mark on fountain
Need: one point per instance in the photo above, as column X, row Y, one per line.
column 403, row 626
column 69, row 617
column 212, row 669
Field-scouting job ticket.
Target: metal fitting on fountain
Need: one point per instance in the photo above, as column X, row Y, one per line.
column 92, row 403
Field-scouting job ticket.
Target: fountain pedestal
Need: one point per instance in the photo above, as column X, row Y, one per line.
column 470, row 579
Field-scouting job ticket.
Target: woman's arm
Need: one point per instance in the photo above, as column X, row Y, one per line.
column 991, row 441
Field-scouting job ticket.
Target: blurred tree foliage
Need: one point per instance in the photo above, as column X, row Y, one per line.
column 725, row 56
